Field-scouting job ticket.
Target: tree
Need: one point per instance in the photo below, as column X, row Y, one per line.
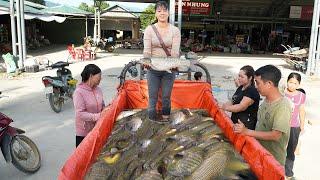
column 100, row 4
column 147, row 17
column 38, row 1
column 85, row 7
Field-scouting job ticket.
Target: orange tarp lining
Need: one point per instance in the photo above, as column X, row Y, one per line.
column 185, row 94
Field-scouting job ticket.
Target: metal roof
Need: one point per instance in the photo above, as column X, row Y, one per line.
column 27, row 7
column 118, row 11
column 66, row 10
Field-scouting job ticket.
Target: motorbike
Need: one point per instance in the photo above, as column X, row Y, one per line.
column 59, row 88
column 107, row 44
column 18, row 149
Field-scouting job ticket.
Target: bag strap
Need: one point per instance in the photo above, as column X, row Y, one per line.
column 160, row 40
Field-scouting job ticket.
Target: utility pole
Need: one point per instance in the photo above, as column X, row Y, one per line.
column 17, row 10
column 314, row 47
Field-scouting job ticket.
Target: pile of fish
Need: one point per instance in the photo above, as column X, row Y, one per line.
column 190, row 146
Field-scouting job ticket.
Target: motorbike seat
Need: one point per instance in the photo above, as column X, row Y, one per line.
column 60, row 64
column 51, row 77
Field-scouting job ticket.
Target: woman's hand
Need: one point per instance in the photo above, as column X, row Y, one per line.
column 224, row 106
column 174, row 69
column 146, row 66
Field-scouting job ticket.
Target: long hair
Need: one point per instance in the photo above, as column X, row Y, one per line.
column 249, row 71
column 90, row 69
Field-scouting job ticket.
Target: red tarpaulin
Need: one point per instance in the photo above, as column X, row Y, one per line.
column 186, row 94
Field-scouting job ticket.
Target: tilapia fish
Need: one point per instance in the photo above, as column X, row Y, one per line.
column 168, row 63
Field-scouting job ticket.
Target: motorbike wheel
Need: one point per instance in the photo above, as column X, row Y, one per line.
column 55, row 102
column 25, row 154
column 110, row 48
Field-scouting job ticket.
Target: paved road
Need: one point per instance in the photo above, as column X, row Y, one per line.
column 54, row 133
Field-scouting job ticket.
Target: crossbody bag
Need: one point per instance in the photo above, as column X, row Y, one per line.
column 160, row 40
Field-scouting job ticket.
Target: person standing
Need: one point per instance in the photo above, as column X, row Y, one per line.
column 274, row 114
column 161, row 40
column 245, row 101
column 297, row 119
column 88, row 101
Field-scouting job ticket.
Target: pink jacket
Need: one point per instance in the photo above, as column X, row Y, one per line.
column 88, row 104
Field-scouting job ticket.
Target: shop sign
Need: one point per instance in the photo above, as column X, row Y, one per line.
column 295, row 12
column 301, row 12
column 195, row 7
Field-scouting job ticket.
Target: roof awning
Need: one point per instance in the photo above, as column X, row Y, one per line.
column 46, row 18
column 2, row 12
column 66, row 10
column 42, row 17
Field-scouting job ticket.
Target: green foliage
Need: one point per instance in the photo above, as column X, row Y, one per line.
column 42, row 2
column 85, row 7
column 147, row 17
column 100, row 4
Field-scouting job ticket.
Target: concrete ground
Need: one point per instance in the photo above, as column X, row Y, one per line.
column 54, row 133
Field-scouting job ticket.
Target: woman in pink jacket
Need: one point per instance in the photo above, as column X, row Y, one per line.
column 88, row 101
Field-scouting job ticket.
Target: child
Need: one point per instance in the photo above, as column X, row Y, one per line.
column 297, row 119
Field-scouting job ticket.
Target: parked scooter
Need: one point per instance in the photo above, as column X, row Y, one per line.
column 61, row 87
column 107, row 44
column 17, row 148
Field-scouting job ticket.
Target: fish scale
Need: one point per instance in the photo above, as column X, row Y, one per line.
column 186, row 165
column 99, row 171
column 211, row 167
column 150, row 175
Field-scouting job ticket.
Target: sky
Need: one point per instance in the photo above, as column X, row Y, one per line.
column 90, row 2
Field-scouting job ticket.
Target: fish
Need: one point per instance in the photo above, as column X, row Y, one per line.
column 98, row 171
column 191, row 146
column 168, row 63
column 134, row 124
column 202, row 126
column 128, row 113
column 121, row 141
column 212, row 167
column 150, row 175
column 185, row 163
column 237, row 165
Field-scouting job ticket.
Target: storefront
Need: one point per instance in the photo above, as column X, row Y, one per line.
column 119, row 23
column 245, row 26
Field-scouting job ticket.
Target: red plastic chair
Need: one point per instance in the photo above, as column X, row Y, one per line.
column 80, row 54
column 87, row 55
column 71, row 51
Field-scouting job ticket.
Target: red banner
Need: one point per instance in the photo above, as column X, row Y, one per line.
column 307, row 12
column 195, row 7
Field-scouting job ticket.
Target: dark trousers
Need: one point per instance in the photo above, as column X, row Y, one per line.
column 292, row 144
column 79, row 140
column 157, row 79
